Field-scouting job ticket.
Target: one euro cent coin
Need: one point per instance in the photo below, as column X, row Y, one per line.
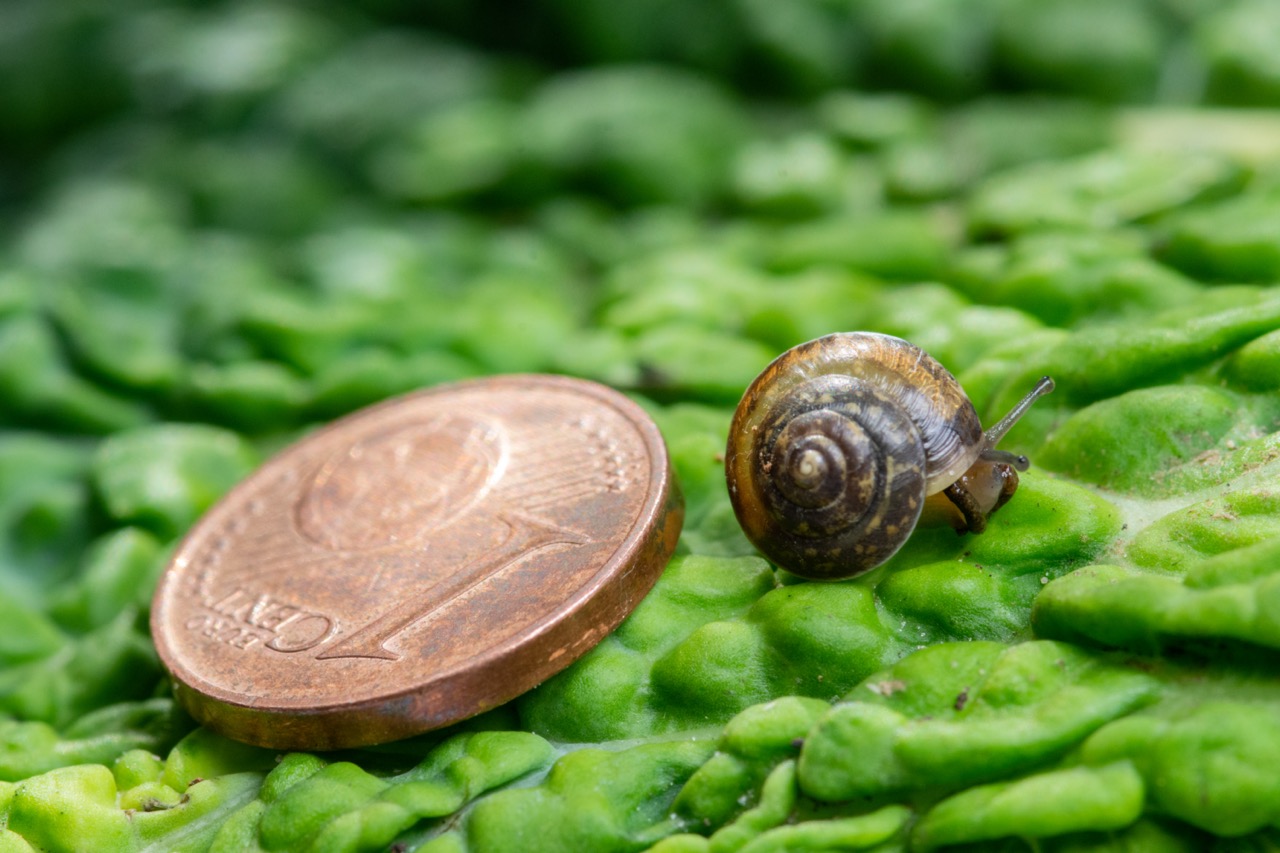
column 417, row 562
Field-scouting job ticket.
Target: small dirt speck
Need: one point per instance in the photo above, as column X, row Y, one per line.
column 887, row 688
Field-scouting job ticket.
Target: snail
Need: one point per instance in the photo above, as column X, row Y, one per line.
column 839, row 445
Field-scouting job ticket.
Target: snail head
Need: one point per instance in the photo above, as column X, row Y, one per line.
column 990, row 481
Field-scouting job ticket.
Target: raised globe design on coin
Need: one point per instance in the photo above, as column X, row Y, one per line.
column 395, row 486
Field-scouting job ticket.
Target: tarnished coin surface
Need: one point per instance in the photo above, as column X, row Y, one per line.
column 417, row 562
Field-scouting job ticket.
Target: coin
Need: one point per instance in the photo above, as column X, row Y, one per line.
column 417, row 562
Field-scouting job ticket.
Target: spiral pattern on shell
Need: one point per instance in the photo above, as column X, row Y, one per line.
column 835, row 446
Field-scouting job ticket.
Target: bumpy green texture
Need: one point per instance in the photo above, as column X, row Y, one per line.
column 262, row 216
column 1127, row 609
column 592, row 799
column 306, row 803
column 750, row 748
column 1104, row 798
column 954, row 715
column 212, row 794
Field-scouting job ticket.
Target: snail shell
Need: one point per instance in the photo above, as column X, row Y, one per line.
column 836, row 445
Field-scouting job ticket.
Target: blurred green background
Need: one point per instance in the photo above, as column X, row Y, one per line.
column 224, row 223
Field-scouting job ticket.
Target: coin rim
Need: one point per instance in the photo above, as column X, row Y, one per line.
column 525, row 659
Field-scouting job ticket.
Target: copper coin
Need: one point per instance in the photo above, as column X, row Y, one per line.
column 417, row 562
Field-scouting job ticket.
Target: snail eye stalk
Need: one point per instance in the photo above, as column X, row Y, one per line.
column 993, row 436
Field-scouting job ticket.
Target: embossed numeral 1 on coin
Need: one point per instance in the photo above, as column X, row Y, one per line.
column 526, row 535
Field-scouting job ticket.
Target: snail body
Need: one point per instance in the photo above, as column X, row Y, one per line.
column 839, row 444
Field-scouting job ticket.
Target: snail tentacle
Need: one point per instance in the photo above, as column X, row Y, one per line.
column 993, row 436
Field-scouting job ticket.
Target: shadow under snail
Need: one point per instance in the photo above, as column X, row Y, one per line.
column 837, row 447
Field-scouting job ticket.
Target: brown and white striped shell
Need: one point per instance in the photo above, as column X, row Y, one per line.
column 835, row 446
